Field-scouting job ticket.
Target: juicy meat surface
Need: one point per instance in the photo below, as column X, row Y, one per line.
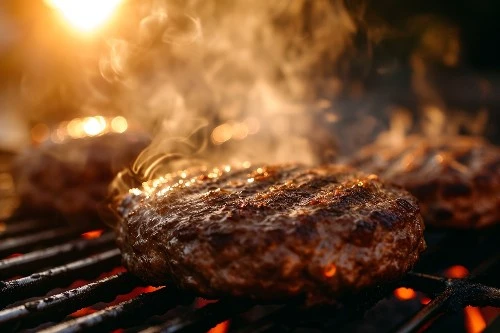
column 71, row 178
column 269, row 232
column 456, row 179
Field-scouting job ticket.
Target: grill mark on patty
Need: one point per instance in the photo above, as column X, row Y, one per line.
column 456, row 179
column 272, row 237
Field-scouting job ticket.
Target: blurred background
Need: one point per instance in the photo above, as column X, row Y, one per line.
column 327, row 75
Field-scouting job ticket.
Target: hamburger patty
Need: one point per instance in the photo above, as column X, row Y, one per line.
column 456, row 179
column 72, row 177
column 269, row 232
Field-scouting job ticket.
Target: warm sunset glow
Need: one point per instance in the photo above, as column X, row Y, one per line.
column 119, row 124
column 93, row 234
column 474, row 320
column 94, row 125
column 40, row 132
column 405, row 293
column 85, row 15
column 457, row 272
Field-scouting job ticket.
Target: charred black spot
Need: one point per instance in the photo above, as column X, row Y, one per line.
column 219, row 241
column 328, row 212
column 186, row 235
column 456, row 190
column 406, row 205
column 363, row 233
column 306, row 231
column 365, row 225
column 385, row 218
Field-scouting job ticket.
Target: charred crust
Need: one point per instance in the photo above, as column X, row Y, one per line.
column 386, row 218
column 455, row 178
column 318, row 232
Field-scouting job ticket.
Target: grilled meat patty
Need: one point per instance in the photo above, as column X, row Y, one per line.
column 269, row 232
column 72, row 177
column 456, row 179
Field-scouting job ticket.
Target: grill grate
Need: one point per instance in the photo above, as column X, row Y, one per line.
column 60, row 273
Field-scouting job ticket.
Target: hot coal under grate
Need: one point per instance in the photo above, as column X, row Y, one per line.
column 64, row 279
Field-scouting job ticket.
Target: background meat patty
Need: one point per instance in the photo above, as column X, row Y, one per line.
column 72, row 177
column 456, row 179
column 269, row 232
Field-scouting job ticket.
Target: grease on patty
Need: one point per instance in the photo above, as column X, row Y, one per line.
column 269, row 232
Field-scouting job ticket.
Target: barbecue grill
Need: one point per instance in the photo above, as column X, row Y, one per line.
column 59, row 278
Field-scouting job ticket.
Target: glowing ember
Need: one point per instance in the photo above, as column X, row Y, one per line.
column 85, row 15
column 14, row 255
column 405, row 293
column 425, row 300
column 220, row 328
column 474, row 320
column 330, row 270
column 150, row 289
column 92, row 234
column 83, row 312
column 456, row 272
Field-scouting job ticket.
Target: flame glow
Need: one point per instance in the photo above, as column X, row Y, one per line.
column 85, row 15
column 474, row 320
column 405, row 293
column 330, row 271
column 82, row 312
column 457, row 272
column 79, row 128
column 93, row 234
column 220, row 328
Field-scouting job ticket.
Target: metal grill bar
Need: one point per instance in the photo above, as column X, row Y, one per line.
column 27, row 243
column 39, row 283
column 125, row 313
column 14, row 228
column 451, row 294
column 52, row 256
column 267, row 322
column 454, row 294
column 203, row 319
column 58, row 306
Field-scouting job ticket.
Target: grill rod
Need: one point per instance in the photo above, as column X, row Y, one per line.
column 27, row 243
column 55, row 255
column 58, row 306
column 125, row 313
column 457, row 294
column 204, row 318
column 39, row 283
column 15, row 228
